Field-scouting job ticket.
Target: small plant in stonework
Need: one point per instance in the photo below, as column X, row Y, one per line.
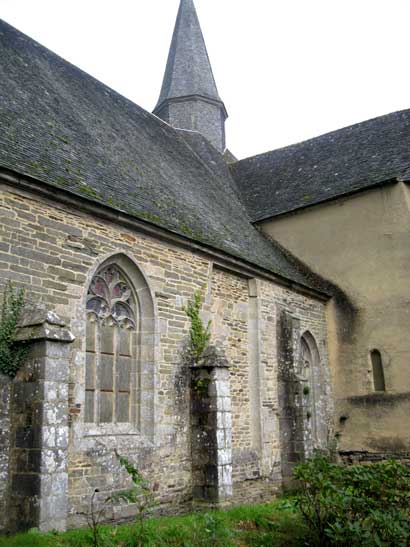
column 306, row 390
column 201, row 385
column 94, row 517
column 141, row 495
column 12, row 354
column 199, row 333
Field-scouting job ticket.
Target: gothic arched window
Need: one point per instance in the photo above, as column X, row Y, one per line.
column 377, row 369
column 111, row 380
column 308, row 363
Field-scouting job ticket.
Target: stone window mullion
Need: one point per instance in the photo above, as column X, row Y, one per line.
column 97, row 392
column 115, row 375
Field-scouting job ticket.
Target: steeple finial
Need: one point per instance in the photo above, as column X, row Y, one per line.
column 189, row 97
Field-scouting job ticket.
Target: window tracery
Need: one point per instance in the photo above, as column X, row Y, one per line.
column 111, row 383
column 110, row 298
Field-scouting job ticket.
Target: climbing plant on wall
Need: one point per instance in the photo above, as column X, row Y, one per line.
column 199, row 333
column 12, row 355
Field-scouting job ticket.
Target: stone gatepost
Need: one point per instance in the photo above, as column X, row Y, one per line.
column 211, row 422
column 38, row 473
column 5, row 391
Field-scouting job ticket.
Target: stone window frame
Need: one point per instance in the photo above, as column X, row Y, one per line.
column 309, row 341
column 147, row 342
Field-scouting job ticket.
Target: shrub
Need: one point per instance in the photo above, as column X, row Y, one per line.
column 362, row 505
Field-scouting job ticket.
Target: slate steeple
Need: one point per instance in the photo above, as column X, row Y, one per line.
column 189, row 97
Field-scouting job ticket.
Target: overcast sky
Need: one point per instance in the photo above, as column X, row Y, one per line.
column 287, row 70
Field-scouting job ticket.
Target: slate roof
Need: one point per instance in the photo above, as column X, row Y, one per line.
column 329, row 166
column 188, row 71
column 64, row 128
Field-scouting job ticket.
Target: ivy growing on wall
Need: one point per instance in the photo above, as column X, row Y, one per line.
column 199, row 333
column 12, row 354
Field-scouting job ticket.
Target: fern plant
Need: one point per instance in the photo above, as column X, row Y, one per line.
column 12, row 354
column 199, row 333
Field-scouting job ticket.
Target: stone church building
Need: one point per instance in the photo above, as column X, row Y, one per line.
column 113, row 219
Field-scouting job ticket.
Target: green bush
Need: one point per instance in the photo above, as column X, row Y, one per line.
column 355, row 505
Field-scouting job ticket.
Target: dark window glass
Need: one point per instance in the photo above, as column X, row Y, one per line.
column 378, row 373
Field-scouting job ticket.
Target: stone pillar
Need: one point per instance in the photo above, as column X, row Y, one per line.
column 291, row 415
column 5, row 390
column 211, row 422
column 39, row 415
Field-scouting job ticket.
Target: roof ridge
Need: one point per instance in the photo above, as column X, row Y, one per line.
column 327, row 134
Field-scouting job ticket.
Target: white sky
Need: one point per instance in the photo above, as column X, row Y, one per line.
column 287, row 70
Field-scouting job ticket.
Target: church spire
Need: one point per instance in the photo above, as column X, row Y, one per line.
column 189, row 97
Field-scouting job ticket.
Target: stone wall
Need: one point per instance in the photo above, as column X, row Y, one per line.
column 364, row 457
column 257, row 469
column 54, row 251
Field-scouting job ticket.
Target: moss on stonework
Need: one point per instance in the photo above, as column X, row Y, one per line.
column 151, row 217
column 34, row 168
column 113, row 202
column 61, row 181
column 62, row 139
column 185, row 230
column 88, row 191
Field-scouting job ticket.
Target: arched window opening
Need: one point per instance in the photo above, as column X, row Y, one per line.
column 111, row 380
column 378, row 372
column 309, row 356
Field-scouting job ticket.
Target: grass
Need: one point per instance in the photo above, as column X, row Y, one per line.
column 276, row 524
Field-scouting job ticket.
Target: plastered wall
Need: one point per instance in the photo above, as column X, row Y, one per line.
column 362, row 244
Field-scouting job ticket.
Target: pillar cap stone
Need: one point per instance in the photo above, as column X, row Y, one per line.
column 211, row 358
column 42, row 324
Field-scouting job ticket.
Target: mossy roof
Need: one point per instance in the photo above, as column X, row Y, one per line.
column 64, row 128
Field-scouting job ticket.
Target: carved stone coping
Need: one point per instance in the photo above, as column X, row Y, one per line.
column 43, row 325
column 210, row 359
column 210, row 365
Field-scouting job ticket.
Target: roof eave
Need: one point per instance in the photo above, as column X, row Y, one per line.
column 289, row 211
column 107, row 212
